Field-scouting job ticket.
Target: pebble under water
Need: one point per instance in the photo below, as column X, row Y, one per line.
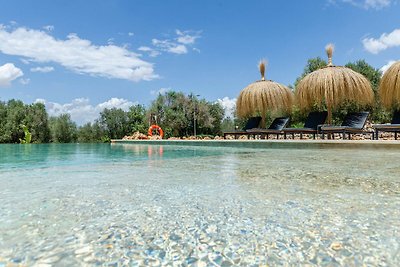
column 139, row 205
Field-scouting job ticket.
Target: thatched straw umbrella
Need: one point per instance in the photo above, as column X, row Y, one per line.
column 333, row 86
column 262, row 97
column 389, row 89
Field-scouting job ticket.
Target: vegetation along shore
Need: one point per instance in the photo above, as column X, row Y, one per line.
column 178, row 114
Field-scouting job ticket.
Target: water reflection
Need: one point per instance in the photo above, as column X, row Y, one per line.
column 155, row 152
column 21, row 156
column 158, row 152
column 141, row 151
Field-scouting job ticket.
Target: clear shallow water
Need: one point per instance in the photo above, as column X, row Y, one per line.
column 138, row 205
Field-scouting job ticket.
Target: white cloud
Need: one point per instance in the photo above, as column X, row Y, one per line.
column 387, row 66
column 169, row 46
column 42, row 69
column 384, row 42
column 178, row 44
column 76, row 54
column 131, row 34
column 25, row 61
column 49, row 28
column 229, row 105
column 145, row 48
column 366, row 4
column 187, row 37
column 110, row 41
column 115, row 103
column 81, row 110
column 24, row 81
column 152, row 52
column 8, row 73
column 376, row 4
column 179, row 49
column 161, row 91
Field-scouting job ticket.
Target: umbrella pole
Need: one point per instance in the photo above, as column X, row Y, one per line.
column 329, row 117
column 263, row 121
column 329, row 121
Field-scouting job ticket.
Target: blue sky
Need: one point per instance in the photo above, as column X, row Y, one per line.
column 82, row 56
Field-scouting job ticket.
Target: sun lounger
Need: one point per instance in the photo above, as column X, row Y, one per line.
column 311, row 126
column 353, row 123
column 275, row 128
column 253, row 122
column 393, row 127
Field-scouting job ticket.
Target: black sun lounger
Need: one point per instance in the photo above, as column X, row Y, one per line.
column 393, row 127
column 253, row 122
column 311, row 126
column 275, row 128
column 353, row 123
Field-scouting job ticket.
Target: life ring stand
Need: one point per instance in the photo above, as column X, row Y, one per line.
column 157, row 128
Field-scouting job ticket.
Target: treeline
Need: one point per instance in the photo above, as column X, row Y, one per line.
column 175, row 112
column 178, row 115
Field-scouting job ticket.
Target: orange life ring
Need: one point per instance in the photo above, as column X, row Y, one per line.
column 157, row 128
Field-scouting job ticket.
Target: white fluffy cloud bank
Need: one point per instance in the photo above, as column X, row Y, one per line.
column 229, row 105
column 81, row 110
column 8, row 73
column 385, row 41
column 76, row 54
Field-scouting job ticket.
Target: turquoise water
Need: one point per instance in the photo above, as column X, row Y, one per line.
column 139, row 205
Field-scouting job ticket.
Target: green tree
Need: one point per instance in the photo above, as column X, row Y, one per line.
column 137, row 119
column 16, row 112
column 37, row 121
column 210, row 118
column 115, row 122
column 176, row 113
column 90, row 133
column 63, row 129
column 85, row 133
column 171, row 110
column 4, row 137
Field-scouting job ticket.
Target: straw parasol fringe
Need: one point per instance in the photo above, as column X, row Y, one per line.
column 333, row 86
column 389, row 89
column 264, row 96
column 257, row 98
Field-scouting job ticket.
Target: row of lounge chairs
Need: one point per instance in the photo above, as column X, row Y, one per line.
column 353, row 123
